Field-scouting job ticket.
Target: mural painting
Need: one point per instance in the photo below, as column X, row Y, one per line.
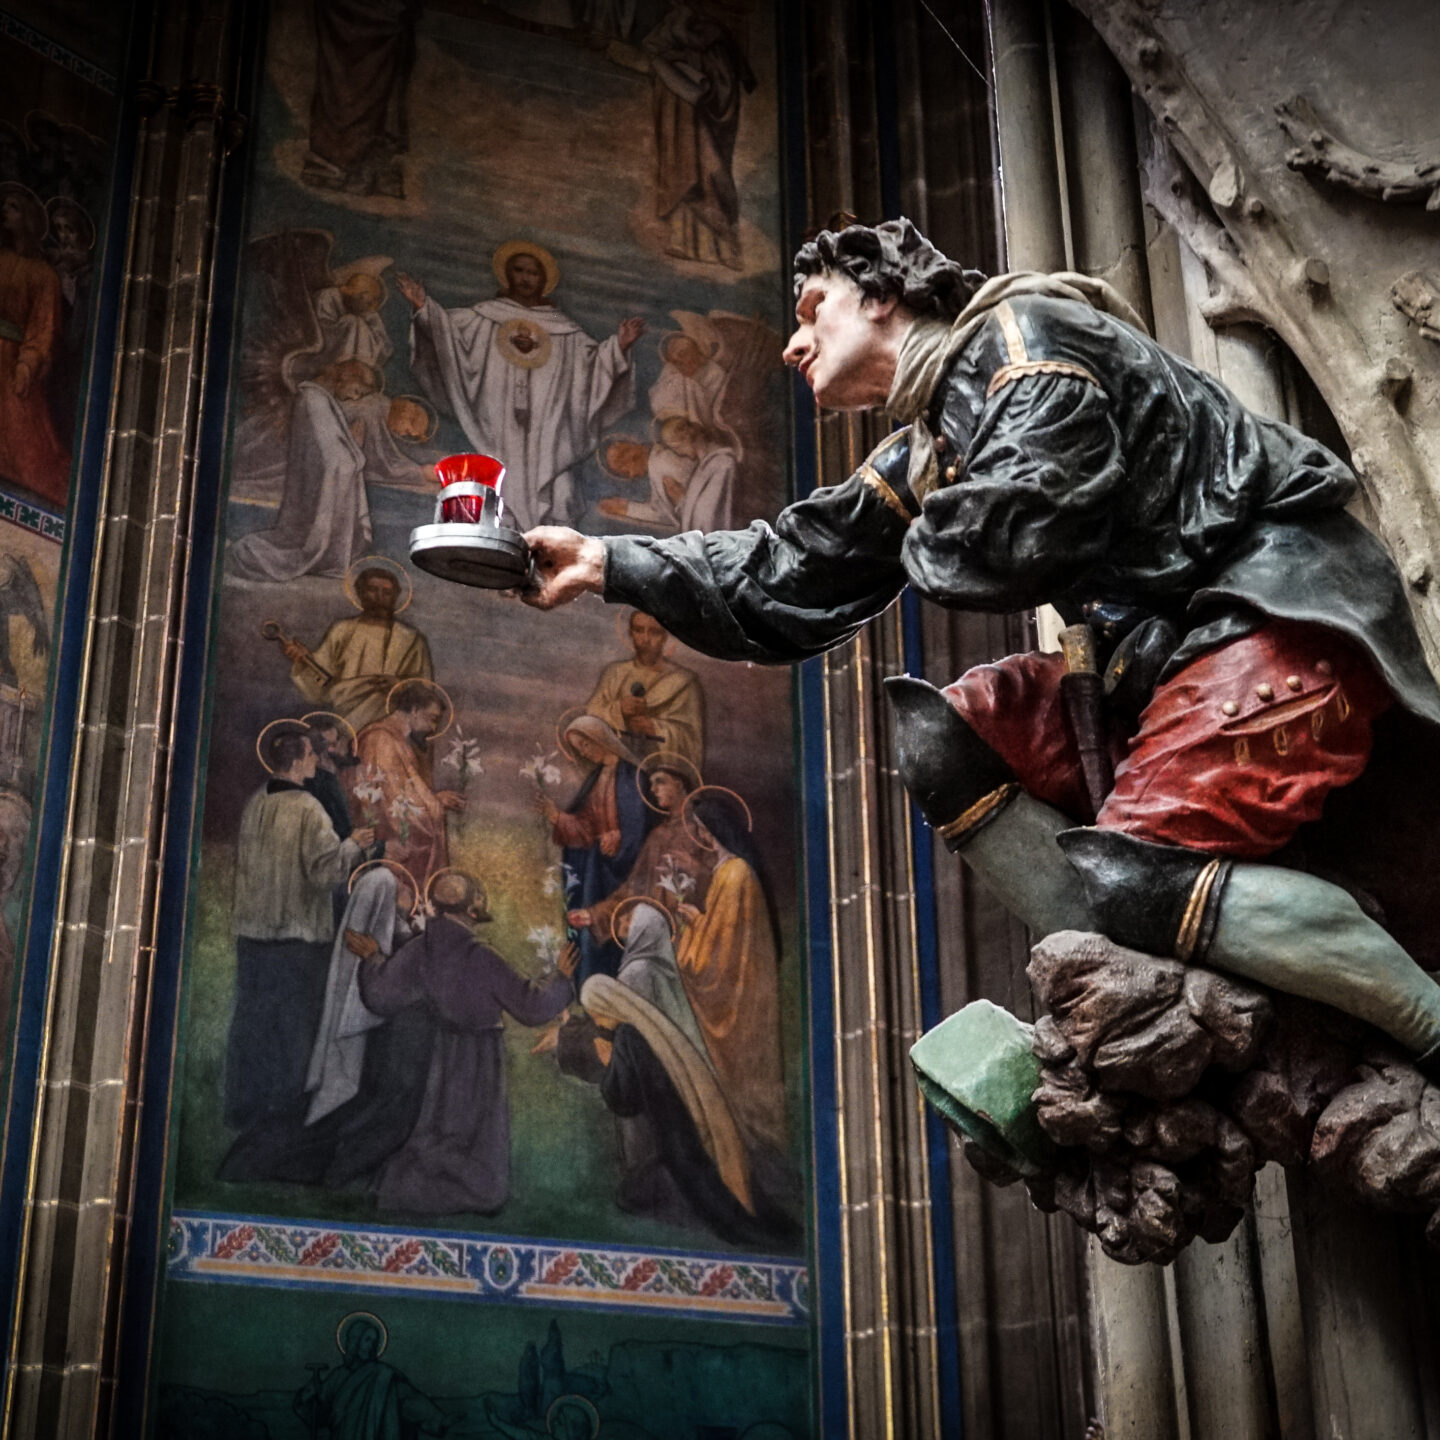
column 57, row 129
column 495, row 986
column 364, row 1369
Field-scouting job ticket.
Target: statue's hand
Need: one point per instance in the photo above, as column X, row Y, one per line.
column 567, row 565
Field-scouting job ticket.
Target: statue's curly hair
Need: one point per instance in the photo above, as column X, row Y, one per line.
column 892, row 259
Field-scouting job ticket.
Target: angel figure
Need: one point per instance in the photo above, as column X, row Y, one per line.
column 715, row 462
column 20, row 595
column 318, row 420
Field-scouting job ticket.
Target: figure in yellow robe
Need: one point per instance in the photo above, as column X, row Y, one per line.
column 649, row 702
column 366, row 654
column 729, row 964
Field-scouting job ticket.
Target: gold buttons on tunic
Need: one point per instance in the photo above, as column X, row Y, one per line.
column 1230, row 708
column 1293, row 681
column 1324, row 667
column 1265, row 692
column 951, row 471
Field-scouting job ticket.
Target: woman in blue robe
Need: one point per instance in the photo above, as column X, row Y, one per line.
column 599, row 833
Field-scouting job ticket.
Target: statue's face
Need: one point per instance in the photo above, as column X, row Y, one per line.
column 836, row 345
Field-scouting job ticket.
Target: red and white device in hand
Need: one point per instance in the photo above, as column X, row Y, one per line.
column 469, row 540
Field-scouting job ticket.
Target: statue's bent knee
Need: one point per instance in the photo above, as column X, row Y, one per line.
column 957, row 780
column 1161, row 899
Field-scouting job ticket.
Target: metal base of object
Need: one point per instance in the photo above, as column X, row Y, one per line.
column 482, row 555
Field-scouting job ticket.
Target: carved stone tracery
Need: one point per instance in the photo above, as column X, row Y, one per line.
column 1319, row 153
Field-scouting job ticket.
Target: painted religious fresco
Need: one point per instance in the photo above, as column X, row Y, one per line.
column 364, row 1368
column 58, row 121
column 495, row 992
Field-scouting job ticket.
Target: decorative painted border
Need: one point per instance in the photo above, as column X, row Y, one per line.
column 15, row 29
column 482, row 1267
column 28, row 515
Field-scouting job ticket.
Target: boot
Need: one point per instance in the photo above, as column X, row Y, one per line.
column 1283, row 928
column 971, row 798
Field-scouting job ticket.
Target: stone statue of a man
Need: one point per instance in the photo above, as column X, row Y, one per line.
column 1255, row 639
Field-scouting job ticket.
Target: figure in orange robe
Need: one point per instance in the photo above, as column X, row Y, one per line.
column 31, row 322
column 390, row 788
column 728, row 961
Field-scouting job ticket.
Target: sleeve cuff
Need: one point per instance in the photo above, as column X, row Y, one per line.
column 631, row 569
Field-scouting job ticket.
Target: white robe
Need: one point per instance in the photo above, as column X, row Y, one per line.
column 697, row 396
column 348, row 336
column 540, row 419
column 710, row 492
column 339, row 1053
column 324, row 520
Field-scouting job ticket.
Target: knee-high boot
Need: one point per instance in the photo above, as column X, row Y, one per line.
column 971, row 798
column 1286, row 929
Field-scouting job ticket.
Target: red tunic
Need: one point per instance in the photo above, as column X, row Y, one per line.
column 1232, row 755
column 31, row 454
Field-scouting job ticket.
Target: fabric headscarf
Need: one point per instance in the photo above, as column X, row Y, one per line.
column 694, row 1082
column 930, row 345
column 592, row 727
column 339, row 1051
column 648, row 968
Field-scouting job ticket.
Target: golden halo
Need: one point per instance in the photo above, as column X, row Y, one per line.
column 432, row 417
column 708, row 348
column 511, row 248
column 629, row 903
column 665, row 760
column 617, row 437
column 482, row 895
column 658, row 424
column 434, row 685
column 717, row 790
column 380, row 562
column 362, row 1315
column 574, row 713
column 584, row 1404
column 392, row 865
column 301, row 728
column 341, row 723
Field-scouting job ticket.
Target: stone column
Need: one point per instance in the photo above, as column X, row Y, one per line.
column 77, row 1220
column 1070, row 200
column 1030, row 153
column 890, row 1280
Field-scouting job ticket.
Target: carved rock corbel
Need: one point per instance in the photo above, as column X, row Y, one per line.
column 1163, row 1088
column 1319, row 153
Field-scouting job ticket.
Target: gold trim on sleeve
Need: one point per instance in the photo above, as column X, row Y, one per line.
column 982, row 809
column 1010, row 329
column 1191, row 921
column 872, row 478
column 1008, row 373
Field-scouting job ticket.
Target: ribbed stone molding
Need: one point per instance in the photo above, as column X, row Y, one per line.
column 77, row 1222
